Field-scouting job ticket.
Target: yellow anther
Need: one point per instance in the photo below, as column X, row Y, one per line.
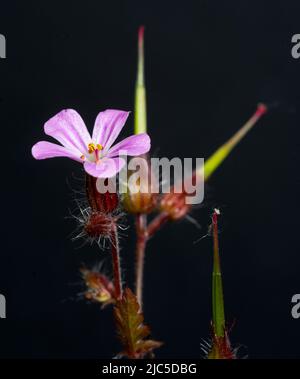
column 82, row 157
column 91, row 147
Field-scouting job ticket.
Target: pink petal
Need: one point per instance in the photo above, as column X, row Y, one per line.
column 69, row 129
column 108, row 126
column 106, row 168
column 44, row 150
column 133, row 145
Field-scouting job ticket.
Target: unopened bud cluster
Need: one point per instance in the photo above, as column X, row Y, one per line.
column 142, row 197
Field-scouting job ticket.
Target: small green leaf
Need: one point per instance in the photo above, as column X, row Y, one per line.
column 130, row 327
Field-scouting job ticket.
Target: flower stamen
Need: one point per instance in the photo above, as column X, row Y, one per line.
column 91, row 147
column 95, row 148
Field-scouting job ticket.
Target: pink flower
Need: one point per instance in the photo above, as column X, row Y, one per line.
column 100, row 159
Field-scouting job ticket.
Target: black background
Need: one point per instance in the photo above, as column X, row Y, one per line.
column 208, row 63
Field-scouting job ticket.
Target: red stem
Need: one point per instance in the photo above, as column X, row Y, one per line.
column 216, row 240
column 156, row 224
column 115, row 251
column 141, row 232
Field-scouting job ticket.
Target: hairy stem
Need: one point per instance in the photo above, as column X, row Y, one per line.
column 115, row 252
column 157, row 223
column 141, row 233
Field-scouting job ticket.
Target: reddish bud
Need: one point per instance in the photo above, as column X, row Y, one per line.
column 100, row 224
column 141, row 195
column 139, row 202
column 174, row 205
column 98, row 287
column 100, row 202
column 103, row 215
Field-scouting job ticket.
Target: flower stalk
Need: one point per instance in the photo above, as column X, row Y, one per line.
column 157, row 223
column 141, row 235
column 115, row 252
column 140, row 126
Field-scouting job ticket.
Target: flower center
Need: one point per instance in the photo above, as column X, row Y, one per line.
column 95, row 149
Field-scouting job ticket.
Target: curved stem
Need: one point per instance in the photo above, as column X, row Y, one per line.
column 115, row 252
column 156, row 224
column 141, row 232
